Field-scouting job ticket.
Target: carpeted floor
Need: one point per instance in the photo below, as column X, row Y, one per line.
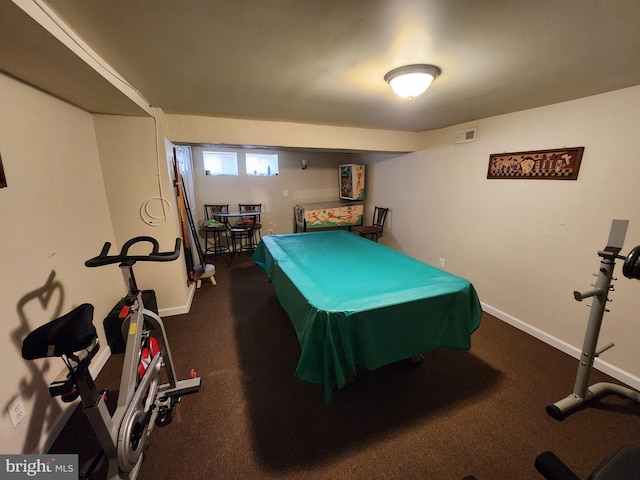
column 478, row 413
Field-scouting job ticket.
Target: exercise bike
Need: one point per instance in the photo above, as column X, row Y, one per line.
column 143, row 402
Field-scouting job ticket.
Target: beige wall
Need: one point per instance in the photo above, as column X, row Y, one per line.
column 211, row 130
column 54, row 215
column 75, row 182
column 136, row 163
column 318, row 182
column 528, row 244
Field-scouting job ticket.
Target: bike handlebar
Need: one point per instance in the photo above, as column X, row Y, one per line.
column 153, row 256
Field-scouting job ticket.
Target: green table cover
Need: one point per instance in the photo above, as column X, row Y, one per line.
column 356, row 302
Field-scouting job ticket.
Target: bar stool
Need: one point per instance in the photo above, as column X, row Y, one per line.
column 250, row 223
column 242, row 233
column 216, row 232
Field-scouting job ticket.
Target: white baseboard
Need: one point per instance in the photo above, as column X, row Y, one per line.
column 168, row 312
column 605, row 367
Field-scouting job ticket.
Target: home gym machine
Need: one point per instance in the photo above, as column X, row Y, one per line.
column 142, row 400
column 631, row 269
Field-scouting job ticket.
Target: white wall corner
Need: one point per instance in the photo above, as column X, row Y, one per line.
column 180, row 310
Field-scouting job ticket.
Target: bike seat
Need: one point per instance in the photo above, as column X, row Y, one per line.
column 65, row 335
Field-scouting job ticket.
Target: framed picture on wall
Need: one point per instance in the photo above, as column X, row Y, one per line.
column 3, row 179
column 555, row 164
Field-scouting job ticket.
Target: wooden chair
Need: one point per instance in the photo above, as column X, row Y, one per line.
column 375, row 230
column 216, row 232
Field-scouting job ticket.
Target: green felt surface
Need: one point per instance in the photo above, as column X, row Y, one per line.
column 355, row 302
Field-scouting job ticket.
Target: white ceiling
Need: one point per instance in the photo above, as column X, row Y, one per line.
column 323, row 61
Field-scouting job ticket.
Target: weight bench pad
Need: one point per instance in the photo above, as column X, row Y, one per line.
column 624, row 464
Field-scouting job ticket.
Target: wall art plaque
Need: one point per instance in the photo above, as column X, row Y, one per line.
column 556, row 164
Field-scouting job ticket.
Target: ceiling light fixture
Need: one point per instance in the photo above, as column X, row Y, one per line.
column 412, row 80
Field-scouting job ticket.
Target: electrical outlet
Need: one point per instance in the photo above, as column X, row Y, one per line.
column 17, row 413
column 441, row 263
column 271, row 231
column 285, row 193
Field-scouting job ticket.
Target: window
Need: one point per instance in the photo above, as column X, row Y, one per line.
column 264, row 164
column 220, row 163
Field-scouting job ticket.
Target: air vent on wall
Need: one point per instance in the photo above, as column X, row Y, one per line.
column 464, row 136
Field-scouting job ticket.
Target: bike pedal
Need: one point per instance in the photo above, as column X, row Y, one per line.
column 164, row 418
column 70, row 396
